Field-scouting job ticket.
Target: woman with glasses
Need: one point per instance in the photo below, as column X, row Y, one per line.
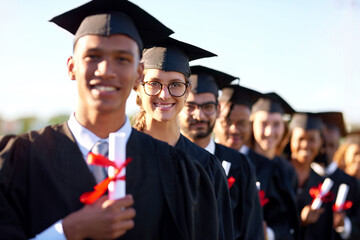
column 161, row 96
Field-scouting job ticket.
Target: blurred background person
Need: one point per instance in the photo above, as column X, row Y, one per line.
column 306, row 144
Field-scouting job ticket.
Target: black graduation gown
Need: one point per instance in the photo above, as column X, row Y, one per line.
column 247, row 212
column 218, row 178
column 280, row 213
column 353, row 213
column 322, row 229
column 43, row 175
column 288, row 171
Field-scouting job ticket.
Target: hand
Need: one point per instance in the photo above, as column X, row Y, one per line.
column 309, row 215
column 104, row 219
column 339, row 218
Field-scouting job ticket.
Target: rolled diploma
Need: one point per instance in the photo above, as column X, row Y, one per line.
column 258, row 186
column 226, row 165
column 325, row 188
column 342, row 194
column 117, row 154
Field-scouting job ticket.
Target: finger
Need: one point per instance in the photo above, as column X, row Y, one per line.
column 127, row 201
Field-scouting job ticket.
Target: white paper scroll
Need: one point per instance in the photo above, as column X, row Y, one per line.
column 325, row 188
column 226, row 165
column 117, row 154
column 341, row 195
column 258, row 186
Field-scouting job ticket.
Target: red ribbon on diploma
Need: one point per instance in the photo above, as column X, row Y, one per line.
column 316, row 192
column 262, row 198
column 101, row 188
column 231, row 181
column 345, row 206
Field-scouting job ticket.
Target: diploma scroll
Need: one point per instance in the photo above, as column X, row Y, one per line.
column 325, row 188
column 341, row 196
column 117, row 154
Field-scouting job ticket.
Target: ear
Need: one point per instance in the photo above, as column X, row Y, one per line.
column 140, row 74
column 71, row 68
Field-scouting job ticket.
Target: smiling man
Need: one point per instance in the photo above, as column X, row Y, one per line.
column 197, row 121
column 43, row 173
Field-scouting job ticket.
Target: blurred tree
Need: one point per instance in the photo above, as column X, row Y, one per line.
column 58, row 119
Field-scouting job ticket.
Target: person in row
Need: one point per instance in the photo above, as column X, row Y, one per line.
column 197, row 120
column 161, row 96
column 233, row 129
column 346, row 222
column 43, row 174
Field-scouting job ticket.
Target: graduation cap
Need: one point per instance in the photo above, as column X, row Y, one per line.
column 306, row 121
column 173, row 55
column 207, row 80
column 334, row 120
column 272, row 103
column 108, row 17
column 239, row 95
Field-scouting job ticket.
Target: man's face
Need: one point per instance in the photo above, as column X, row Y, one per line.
column 106, row 69
column 197, row 119
column 233, row 129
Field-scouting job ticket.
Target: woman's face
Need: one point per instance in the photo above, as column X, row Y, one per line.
column 352, row 160
column 268, row 129
column 305, row 145
column 163, row 106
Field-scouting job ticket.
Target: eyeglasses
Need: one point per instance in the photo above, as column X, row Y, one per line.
column 208, row 108
column 176, row 89
column 241, row 124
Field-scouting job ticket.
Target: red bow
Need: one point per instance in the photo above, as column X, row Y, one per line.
column 231, row 182
column 315, row 192
column 100, row 188
column 345, row 206
column 262, row 198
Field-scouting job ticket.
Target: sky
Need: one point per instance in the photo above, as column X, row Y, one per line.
column 306, row 51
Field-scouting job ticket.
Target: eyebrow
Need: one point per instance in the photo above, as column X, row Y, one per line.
column 102, row 50
column 170, row 81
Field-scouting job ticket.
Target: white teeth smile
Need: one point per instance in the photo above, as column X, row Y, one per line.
column 163, row 105
column 105, row 88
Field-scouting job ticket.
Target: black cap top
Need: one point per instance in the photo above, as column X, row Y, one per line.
column 239, row 95
column 306, row 121
column 207, row 80
column 173, row 55
column 272, row 103
column 334, row 120
column 107, row 17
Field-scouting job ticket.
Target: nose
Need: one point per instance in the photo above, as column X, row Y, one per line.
column 105, row 69
column 164, row 93
column 304, row 144
column 233, row 128
column 268, row 130
column 198, row 114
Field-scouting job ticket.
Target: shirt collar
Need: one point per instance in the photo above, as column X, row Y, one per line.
column 244, row 149
column 86, row 139
column 211, row 146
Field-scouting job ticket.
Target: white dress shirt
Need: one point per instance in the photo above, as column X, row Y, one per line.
column 85, row 139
